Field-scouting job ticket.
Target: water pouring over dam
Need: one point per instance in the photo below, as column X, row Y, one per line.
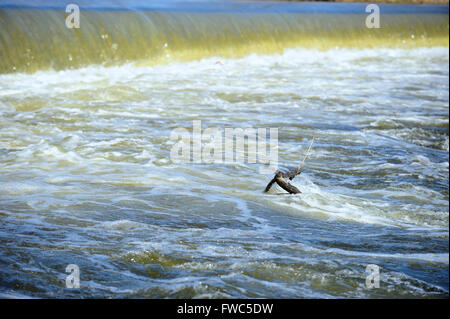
column 35, row 38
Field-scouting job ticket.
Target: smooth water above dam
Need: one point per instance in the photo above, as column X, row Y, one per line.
column 86, row 176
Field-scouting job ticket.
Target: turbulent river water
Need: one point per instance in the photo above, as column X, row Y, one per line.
column 86, row 175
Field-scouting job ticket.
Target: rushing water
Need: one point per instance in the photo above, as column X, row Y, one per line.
column 86, row 176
